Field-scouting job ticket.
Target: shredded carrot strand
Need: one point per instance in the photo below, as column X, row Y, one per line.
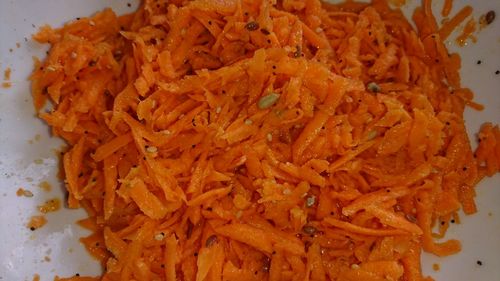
column 447, row 6
column 454, row 22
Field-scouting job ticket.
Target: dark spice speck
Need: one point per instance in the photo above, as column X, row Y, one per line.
column 309, row 229
column 479, row 263
column 252, row 26
column 490, row 17
column 212, row 239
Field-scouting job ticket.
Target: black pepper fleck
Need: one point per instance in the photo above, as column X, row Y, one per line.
column 497, row 72
column 479, row 62
column 479, row 263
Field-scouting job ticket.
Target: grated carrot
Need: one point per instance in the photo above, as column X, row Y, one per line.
column 249, row 140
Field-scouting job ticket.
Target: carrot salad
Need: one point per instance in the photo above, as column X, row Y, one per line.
column 262, row 140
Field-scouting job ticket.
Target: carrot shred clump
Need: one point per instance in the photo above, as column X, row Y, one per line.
column 255, row 140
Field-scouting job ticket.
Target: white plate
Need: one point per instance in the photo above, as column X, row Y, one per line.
column 23, row 253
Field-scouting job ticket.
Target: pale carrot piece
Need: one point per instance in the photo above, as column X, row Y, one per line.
column 391, row 219
column 275, row 271
column 72, row 162
column 206, row 259
column 310, row 132
column 248, row 235
column 363, row 230
column 350, row 155
column 111, row 147
column 170, row 258
column 450, row 25
column 146, row 200
column 110, row 184
column 114, row 243
column 314, row 262
column 411, row 262
column 424, row 216
column 374, row 198
column 209, row 195
column 447, row 6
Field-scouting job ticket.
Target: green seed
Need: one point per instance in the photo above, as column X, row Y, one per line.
column 373, row 87
column 371, row 135
column 268, row 100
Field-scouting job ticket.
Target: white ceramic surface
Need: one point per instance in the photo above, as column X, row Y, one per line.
column 54, row 249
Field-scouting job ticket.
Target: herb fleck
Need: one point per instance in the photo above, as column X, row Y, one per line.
column 268, row 100
column 373, row 87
